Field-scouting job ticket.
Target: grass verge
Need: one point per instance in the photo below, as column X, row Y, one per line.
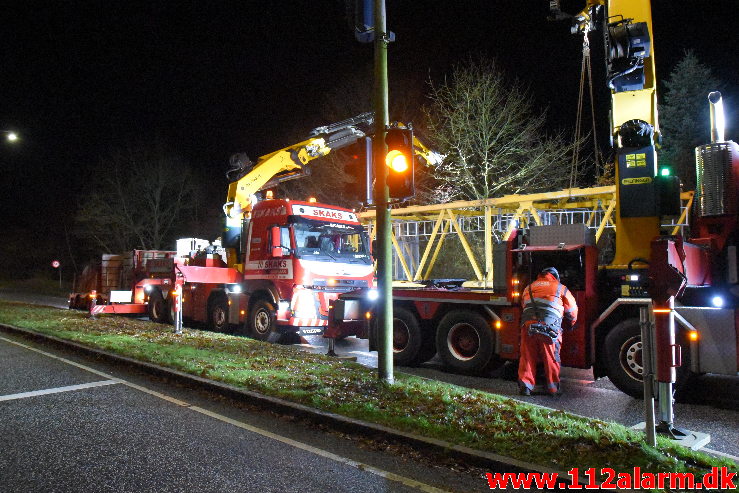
column 433, row 409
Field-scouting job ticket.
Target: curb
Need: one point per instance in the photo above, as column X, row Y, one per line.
column 494, row 462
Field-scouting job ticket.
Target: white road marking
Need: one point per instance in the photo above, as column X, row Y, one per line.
column 363, row 353
column 577, row 380
column 69, row 388
column 288, row 441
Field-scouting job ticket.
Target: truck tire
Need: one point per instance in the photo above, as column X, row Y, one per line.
column 465, row 341
column 262, row 322
column 218, row 314
column 157, row 307
column 410, row 347
column 623, row 357
column 624, row 361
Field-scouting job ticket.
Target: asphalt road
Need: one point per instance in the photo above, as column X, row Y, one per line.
column 715, row 411
column 73, row 423
column 33, row 298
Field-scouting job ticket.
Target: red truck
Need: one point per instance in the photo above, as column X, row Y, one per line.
column 688, row 284
column 280, row 263
column 475, row 330
column 298, row 257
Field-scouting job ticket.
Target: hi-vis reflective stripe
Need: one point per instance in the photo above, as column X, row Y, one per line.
column 555, row 304
column 308, row 322
column 97, row 309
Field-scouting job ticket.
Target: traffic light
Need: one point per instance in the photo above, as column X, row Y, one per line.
column 400, row 162
column 359, row 167
column 364, row 22
column 667, row 189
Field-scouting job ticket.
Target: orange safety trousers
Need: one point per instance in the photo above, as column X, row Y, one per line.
column 537, row 349
column 553, row 303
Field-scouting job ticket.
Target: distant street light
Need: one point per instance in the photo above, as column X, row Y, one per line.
column 10, row 136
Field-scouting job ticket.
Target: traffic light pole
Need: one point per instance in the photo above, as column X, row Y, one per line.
column 382, row 199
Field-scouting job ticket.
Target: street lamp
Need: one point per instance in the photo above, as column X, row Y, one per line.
column 10, row 136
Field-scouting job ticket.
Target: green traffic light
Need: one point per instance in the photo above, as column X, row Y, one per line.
column 664, row 172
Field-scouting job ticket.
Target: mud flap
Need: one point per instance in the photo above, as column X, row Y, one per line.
column 373, row 336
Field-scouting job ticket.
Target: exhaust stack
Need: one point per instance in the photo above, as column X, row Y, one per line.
column 717, row 117
column 717, row 168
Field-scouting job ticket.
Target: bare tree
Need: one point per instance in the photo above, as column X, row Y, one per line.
column 493, row 141
column 138, row 199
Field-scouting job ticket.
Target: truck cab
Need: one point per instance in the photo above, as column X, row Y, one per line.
column 297, row 258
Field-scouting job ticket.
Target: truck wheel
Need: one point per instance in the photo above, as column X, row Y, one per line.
column 262, row 322
column 157, row 308
column 218, row 314
column 465, row 341
column 623, row 354
column 407, row 338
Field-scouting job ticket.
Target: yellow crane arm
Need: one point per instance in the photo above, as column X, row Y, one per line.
column 279, row 166
column 431, row 157
column 289, row 163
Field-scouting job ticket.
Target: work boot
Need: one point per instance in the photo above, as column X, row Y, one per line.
column 522, row 390
column 554, row 392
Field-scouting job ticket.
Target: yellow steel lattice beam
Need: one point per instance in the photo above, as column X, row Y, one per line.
column 427, row 250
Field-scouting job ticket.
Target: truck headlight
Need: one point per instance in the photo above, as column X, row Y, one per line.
column 373, row 294
column 234, row 288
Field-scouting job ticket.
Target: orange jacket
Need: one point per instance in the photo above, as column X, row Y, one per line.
column 554, row 302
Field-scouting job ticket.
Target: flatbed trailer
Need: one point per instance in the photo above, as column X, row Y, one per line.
column 111, row 281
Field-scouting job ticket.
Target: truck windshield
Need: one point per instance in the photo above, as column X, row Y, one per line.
column 331, row 241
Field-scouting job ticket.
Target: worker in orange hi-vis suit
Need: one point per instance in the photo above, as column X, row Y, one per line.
column 547, row 303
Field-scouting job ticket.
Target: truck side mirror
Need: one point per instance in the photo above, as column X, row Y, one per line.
column 275, row 246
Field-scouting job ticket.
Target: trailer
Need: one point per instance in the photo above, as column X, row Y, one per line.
column 112, row 279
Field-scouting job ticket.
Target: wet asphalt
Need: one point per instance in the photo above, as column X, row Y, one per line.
column 125, row 431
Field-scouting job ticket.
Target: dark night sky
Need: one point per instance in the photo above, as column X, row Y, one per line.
column 212, row 78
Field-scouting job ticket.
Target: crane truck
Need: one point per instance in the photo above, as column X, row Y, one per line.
column 689, row 284
column 279, row 263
